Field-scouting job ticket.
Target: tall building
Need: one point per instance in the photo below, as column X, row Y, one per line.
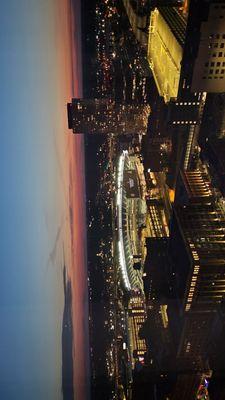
column 107, row 116
column 136, row 319
column 156, row 286
column 188, row 386
column 156, row 152
column 193, row 187
column 213, row 120
column 188, row 46
column 156, row 145
column 197, row 247
column 185, row 53
column 209, row 62
column 167, row 52
column 165, row 49
column 214, row 151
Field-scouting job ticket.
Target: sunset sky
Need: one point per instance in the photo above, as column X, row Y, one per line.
column 41, row 177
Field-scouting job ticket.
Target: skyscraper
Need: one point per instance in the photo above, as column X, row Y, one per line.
column 198, row 253
column 107, row 116
column 185, row 53
column 208, row 23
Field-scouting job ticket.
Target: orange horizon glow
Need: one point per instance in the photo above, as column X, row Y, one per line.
column 70, row 55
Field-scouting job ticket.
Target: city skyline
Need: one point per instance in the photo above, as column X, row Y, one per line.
column 113, row 208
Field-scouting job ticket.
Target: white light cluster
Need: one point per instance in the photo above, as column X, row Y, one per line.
column 122, row 259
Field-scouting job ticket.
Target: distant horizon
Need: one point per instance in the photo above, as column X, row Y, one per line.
column 39, row 183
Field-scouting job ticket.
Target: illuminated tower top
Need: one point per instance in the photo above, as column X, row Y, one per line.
column 165, row 49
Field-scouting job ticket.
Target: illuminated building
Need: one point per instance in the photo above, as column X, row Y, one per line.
column 131, row 215
column 169, row 55
column 107, row 116
column 185, row 53
column 136, row 319
column 138, row 22
column 197, row 248
column 193, row 188
column 165, row 49
column 156, row 285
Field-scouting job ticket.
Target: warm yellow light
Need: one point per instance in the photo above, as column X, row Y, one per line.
column 171, row 195
column 164, row 56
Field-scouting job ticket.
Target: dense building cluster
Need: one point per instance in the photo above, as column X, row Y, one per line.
column 166, row 157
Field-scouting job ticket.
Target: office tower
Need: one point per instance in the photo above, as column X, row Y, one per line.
column 208, row 19
column 156, row 152
column 166, row 55
column 156, row 286
column 185, row 53
column 213, row 120
column 107, row 116
column 214, row 151
column 165, row 49
column 156, row 145
column 139, row 20
column 198, row 252
column 193, row 187
column 136, row 319
column 190, row 48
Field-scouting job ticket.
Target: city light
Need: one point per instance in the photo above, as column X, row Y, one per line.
column 122, row 259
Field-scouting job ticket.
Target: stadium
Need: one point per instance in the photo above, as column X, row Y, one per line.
column 131, row 214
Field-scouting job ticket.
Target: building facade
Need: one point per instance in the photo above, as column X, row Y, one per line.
column 197, row 248
column 107, row 116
